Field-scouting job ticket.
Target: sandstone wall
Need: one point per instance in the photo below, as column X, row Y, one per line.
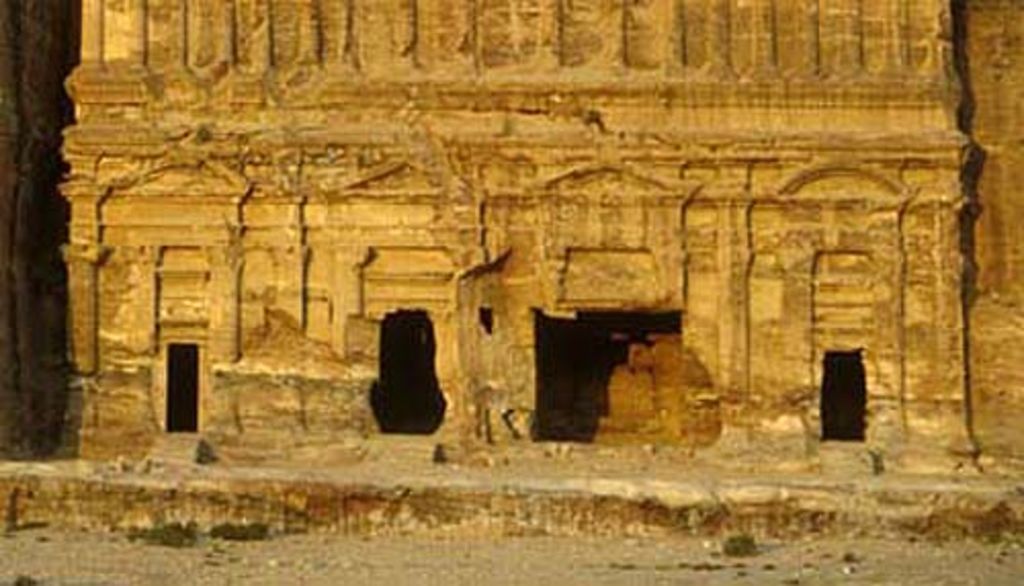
column 391, row 38
column 784, row 175
column 995, row 52
column 836, row 62
column 38, row 47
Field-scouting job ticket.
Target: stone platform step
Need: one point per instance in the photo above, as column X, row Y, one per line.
column 849, row 458
column 182, row 448
column 419, row 448
column 559, row 500
column 257, row 450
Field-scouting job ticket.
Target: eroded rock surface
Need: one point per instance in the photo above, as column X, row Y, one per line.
column 506, row 195
column 274, row 203
column 995, row 49
column 38, row 47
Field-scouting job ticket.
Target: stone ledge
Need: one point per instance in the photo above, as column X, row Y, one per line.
column 72, row 495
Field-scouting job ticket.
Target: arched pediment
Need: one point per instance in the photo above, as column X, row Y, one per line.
column 839, row 180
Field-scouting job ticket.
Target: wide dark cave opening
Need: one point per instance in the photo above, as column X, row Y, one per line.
column 575, row 361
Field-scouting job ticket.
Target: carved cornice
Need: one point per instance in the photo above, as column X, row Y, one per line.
column 237, row 144
column 116, row 87
column 540, row 93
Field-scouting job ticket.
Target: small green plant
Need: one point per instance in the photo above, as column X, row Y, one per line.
column 742, row 545
column 240, row 531
column 168, row 535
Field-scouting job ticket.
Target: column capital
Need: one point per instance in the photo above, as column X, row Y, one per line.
column 354, row 257
column 230, row 257
column 91, row 253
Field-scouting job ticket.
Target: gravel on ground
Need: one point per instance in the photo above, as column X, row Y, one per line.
column 51, row 557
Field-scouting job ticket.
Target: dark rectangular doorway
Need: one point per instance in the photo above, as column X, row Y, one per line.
column 407, row 398
column 182, row 388
column 576, row 359
column 843, row 397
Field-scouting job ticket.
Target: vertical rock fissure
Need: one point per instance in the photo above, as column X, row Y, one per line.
column 973, row 163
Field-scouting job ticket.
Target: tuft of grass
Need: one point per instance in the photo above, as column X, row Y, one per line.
column 742, row 545
column 25, row 581
column 240, row 531
column 167, row 535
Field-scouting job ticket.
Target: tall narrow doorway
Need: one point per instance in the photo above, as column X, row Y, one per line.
column 407, row 397
column 182, row 388
column 843, row 397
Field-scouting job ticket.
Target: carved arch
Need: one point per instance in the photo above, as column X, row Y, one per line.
column 838, row 174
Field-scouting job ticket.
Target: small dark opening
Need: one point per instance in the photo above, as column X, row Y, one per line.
column 182, row 388
column 843, row 397
column 407, row 397
column 486, row 317
column 575, row 360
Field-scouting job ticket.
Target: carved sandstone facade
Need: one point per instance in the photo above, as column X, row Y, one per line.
column 683, row 219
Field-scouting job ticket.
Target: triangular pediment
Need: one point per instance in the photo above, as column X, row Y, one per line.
column 401, row 176
column 185, row 180
column 604, row 179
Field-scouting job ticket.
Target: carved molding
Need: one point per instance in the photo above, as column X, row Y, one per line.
column 185, row 176
column 710, row 38
column 822, row 173
column 592, row 178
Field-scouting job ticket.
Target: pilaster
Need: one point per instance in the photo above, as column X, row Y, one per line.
column 83, row 262
column 346, row 294
column 225, row 303
column 92, row 32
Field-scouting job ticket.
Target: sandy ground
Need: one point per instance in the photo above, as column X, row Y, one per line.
column 50, row 557
column 63, row 557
